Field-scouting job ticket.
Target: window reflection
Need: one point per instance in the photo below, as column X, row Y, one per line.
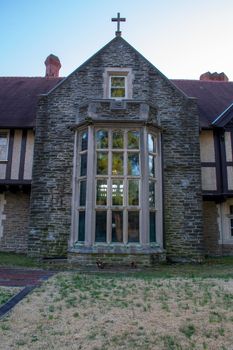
column 133, row 140
column 133, row 164
column 117, row 163
column 84, row 139
column 83, row 168
column 151, row 166
column 101, row 192
column 151, row 194
column 133, row 226
column 102, row 139
column 82, row 194
column 117, row 192
column 151, row 143
column 100, row 226
column 117, row 226
column 102, row 163
column 117, row 139
column 133, row 192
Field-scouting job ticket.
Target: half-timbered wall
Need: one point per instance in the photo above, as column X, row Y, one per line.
column 229, row 161
column 208, row 161
column 17, row 167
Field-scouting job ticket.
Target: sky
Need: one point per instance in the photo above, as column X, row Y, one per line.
column 182, row 38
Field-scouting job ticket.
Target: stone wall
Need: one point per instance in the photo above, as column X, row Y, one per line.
column 211, row 229
column 50, row 224
column 15, row 222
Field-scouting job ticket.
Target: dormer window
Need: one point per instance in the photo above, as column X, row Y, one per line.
column 118, row 83
column 117, row 87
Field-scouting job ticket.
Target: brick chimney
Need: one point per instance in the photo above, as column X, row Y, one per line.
column 53, row 66
column 214, row 76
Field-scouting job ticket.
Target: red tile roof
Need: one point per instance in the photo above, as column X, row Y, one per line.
column 18, row 99
column 213, row 97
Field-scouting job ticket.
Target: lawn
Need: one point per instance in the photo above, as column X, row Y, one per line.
column 170, row 308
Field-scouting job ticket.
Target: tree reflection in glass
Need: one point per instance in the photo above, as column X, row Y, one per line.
column 152, row 194
column 151, row 143
column 117, row 226
column 133, row 226
column 84, row 139
column 117, row 139
column 101, row 192
column 102, row 139
column 151, row 166
column 133, row 192
column 117, row 163
column 102, row 163
column 133, row 164
column 133, row 139
column 117, row 192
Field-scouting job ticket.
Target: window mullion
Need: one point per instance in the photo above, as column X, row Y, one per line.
column 144, row 212
column 89, row 232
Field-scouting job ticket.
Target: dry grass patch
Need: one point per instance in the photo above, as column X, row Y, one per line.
column 6, row 293
column 103, row 312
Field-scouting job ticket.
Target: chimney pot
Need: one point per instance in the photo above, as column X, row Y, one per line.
column 214, row 76
column 53, row 66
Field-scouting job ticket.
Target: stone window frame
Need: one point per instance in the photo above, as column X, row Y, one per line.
column 224, row 221
column 121, row 72
column 5, row 132
column 144, row 239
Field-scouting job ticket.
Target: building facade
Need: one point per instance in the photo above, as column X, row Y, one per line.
column 116, row 162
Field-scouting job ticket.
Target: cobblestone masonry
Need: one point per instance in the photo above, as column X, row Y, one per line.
column 15, row 232
column 50, row 223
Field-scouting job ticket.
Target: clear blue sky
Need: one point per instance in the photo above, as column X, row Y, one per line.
column 182, row 38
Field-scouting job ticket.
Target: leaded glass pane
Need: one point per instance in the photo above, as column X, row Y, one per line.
column 117, row 81
column 151, row 143
column 151, row 166
column 133, row 192
column 152, row 226
column 151, row 194
column 101, row 192
column 102, row 139
column 117, row 192
column 117, row 226
column 133, row 226
column 102, row 163
column 83, row 168
column 117, row 163
column 81, row 226
column 117, row 139
column 82, row 197
column 119, row 92
column 100, row 226
column 84, row 140
column 133, row 164
column 133, row 139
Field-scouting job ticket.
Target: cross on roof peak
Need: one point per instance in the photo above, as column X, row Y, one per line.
column 118, row 19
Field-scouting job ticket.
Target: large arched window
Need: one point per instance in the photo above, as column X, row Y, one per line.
column 117, row 187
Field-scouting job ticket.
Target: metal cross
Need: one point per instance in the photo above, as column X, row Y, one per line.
column 118, row 20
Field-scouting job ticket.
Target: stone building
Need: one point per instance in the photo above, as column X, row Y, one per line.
column 116, row 162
